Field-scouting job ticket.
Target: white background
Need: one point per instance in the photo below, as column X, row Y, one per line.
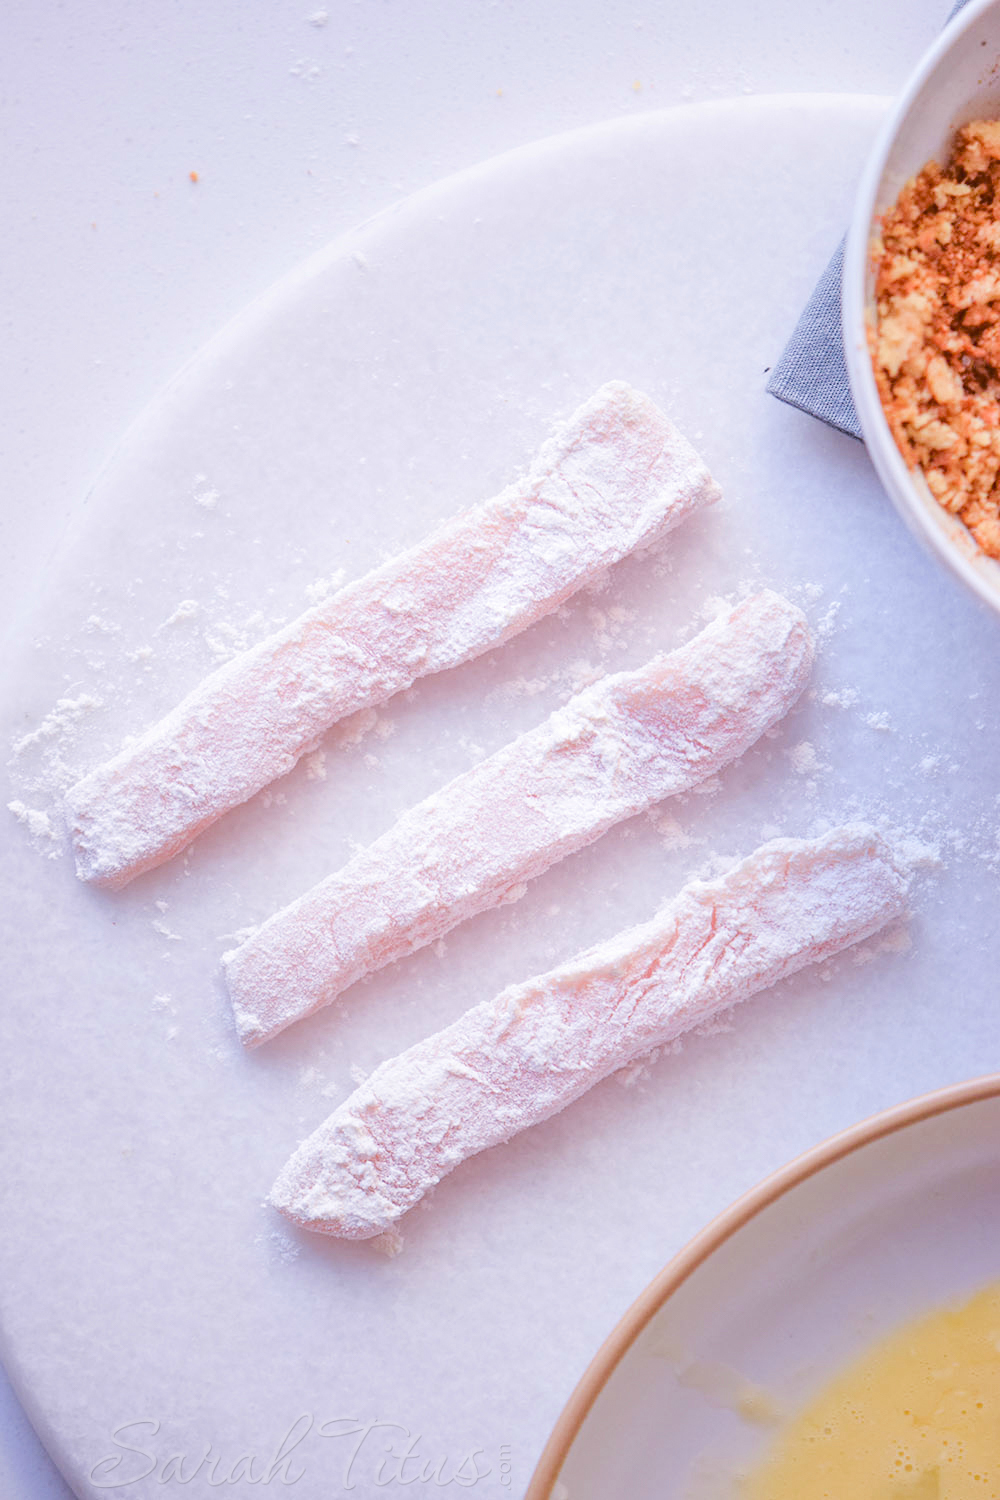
column 117, row 267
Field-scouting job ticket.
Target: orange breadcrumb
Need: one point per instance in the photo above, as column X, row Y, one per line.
column 936, row 345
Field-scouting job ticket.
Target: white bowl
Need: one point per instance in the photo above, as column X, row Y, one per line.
column 889, row 1219
column 958, row 80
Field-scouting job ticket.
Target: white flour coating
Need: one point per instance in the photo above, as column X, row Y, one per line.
column 615, row 477
column 517, row 1059
column 611, row 752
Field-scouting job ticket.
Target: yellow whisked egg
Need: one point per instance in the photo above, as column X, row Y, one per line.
column 916, row 1418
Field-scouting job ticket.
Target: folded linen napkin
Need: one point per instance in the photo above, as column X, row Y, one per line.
column 811, row 372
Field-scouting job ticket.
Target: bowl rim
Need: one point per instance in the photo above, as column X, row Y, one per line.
column 677, row 1270
column 958, row 550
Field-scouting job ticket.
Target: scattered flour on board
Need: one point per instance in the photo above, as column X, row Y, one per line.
column 66, row 713
column 827, row 622
column 282, row 1247
column 186, row 610
column 239, row 936
column 267, row 798
column 389, row 1243
column 672, row 835
column 809, row 593
column 322, row 588
column 102, row 627
column 912, row 854
column 840, row 698
column 41, row 769
column 714, row 607
column 226, row 640
column 804, row 759
column 315, row 764
column 352, row 730
column 608, row 627
column 581, row 674
column 205, row 495
column 46, row 839
column 304, row 67
column 894, row 939
column 636, row 1072
column 520, row 687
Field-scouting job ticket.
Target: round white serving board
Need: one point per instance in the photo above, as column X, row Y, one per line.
column 411, row 370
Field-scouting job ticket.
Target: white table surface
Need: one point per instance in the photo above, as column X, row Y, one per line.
column 300, row 121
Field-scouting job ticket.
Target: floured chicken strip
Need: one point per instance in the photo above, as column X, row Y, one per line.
column 609, row 753
column 616, row 476
column 514, row 1061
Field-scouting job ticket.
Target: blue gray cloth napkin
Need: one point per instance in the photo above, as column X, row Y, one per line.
column 811, row 372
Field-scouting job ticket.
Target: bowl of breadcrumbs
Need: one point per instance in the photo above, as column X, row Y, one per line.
column 921, row 300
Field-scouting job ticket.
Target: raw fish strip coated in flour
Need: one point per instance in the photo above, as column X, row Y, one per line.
column 609, row 753
column 615, row 477
column 515, row 1060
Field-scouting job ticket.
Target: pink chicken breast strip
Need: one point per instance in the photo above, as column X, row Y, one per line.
column 615, row 477
column 611, row 752
column 517, row 1059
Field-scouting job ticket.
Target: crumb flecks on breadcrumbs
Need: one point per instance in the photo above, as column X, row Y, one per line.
column 936, row 347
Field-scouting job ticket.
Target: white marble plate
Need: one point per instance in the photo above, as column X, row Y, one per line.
column 407, row 371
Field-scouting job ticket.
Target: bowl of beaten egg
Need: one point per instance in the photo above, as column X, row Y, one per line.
column 835, row 1333
column 918, row 335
